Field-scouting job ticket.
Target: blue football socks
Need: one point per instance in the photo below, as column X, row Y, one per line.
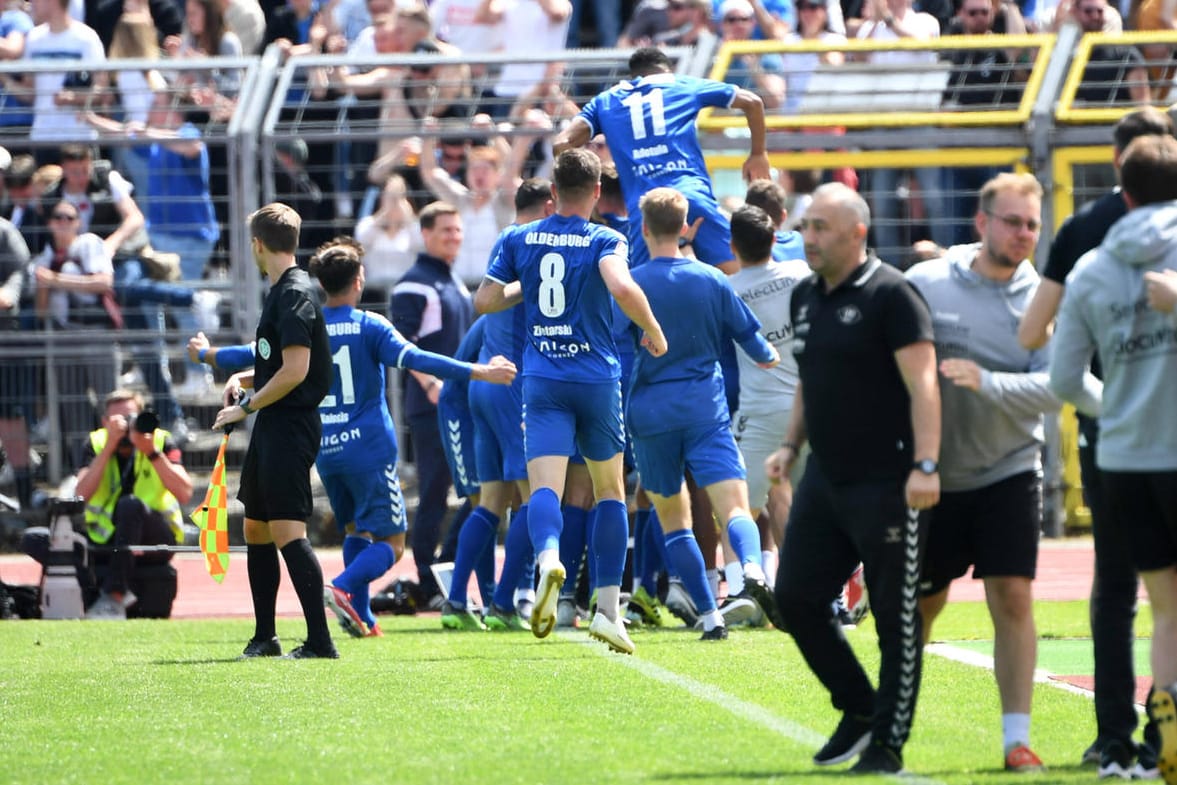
column 572, row 543
column 517, row 558
column 687, row 559
column 368, row 563
column 544, row 520
column 610, row 541
column 477, row 530
column 745, row 539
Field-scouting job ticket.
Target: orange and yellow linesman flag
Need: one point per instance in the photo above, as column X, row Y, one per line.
column 213, row 519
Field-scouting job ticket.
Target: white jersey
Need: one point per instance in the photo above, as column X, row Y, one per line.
column 768, row 290
column 72, row 46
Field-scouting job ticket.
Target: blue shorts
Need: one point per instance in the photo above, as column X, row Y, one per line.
column 561, row 417
column 708, row 452
column 457, row 439
column 713, row 241
column 371, row 499
column 498, row 432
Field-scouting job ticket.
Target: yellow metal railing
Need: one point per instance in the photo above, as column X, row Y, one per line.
column 1063, row 163
column 1067, row 112
column 881, row 159
column 710, row 120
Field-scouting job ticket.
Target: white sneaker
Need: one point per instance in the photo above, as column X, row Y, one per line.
column 543, row 615
column 107, row 608
column 132, row 378
column 611, row 633
column 197, row 386
column 740, row 610
column 566, row 616
column 204, row 307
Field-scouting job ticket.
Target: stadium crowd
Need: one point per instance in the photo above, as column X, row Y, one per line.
column 101, row 235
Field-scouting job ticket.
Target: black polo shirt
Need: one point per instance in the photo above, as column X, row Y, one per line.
column 857, row 410
column 1081, row 232
column 291, row 316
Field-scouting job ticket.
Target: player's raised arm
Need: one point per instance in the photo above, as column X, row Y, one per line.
column 756, row 167
column 578, row 133
column 633, row 303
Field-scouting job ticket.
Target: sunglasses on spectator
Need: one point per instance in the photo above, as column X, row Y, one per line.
column 809, row 6
column 978, row 12
column 1089, row 11
column 63, row 217
column 677, row 6
column 1017, row 222
column 734, row 19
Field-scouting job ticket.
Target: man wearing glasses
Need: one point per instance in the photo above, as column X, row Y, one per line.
column 1114, row 74
column 993, row 395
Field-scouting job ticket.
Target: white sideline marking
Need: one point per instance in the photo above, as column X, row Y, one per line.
column 978, row 660
column 739, row 708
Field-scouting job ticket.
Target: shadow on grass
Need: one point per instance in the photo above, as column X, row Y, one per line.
column 1054, row 775
column 759, row 776
column 201, row 661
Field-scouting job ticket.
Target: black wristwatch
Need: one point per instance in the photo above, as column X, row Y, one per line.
column 926, row 466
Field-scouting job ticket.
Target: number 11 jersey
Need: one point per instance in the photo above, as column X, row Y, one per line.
column 649, row 125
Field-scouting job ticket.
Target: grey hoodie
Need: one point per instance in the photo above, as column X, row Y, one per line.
column 997, row 431
column 1105, row 309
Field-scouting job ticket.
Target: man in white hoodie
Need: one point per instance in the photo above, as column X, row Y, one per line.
column 1107, row 309
column 993, row 393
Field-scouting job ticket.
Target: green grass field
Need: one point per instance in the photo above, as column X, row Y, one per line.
column 146, row 702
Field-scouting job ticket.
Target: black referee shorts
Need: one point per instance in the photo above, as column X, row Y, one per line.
column 276, row 477
column 994, row 530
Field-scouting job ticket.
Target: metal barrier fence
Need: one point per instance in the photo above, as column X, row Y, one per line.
column 323, row 132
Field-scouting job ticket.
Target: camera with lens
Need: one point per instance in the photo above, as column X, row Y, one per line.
column 145, row 421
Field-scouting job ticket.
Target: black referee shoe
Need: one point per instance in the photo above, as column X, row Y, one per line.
column 716, row 633
column 851, row 737
column 266, row 648
column 878, row 759
column 305, row 652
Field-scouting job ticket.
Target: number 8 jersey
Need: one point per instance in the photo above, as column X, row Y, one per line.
column 568, row 309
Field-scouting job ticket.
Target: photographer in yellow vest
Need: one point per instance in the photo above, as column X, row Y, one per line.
column 133, row 484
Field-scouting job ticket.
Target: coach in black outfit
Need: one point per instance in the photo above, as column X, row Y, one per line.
column 1115, row 584
column 431, row 308
column 869, row 403
column 291, row 374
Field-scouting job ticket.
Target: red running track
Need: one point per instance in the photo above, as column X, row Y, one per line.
column 1064, row 573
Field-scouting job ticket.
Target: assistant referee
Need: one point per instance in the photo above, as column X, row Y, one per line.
column 292, row 372
column 869, row 402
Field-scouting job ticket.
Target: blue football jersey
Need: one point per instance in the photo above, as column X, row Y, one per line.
column 649, row 125
column 455, row 392
column 568, row 310
column 700, row 313
column 503, row 330
column 358, row 432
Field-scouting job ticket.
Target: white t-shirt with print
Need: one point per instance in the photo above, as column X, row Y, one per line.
column 76, row 44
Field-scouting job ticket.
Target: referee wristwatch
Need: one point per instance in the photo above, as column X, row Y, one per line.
column 926, row 466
